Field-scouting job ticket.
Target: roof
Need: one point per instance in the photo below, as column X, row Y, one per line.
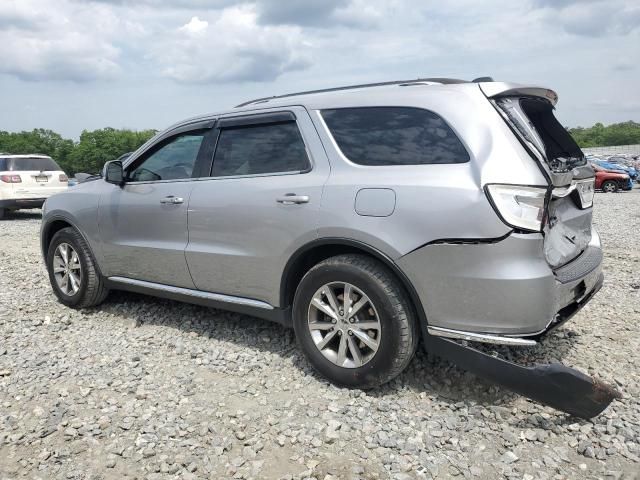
column 423, row 81
column 373, row 93
column 28, row 155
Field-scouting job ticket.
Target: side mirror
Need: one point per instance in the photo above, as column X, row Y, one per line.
column 113, row 172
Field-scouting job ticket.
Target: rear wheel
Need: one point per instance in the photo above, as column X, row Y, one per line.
column 3, row 212
column 610, row 186
column 72, row 270
column 354, row 321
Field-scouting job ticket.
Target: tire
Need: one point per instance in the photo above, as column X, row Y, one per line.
column 91, row 290
column 609, row 186
column 396, row 335
column 3, row 213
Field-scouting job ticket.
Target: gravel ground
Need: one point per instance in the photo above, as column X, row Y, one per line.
column 145, row 388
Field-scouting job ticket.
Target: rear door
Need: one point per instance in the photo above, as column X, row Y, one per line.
column 143, row 223
column 259, row 205
column 529, row 111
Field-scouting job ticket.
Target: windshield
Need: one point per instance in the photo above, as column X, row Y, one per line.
column 28, row 163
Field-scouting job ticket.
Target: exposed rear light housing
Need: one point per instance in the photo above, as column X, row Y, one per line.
column 11, row 178
column 519, row 206
column 585, row 189
column 63, row 178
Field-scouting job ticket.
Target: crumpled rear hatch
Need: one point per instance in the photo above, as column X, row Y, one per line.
column 529, row 113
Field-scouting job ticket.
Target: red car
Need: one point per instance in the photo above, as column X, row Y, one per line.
column 611, row 182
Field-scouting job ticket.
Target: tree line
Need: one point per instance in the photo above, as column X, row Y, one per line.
column 96, row 147
column 87, row 155
column 625, row 133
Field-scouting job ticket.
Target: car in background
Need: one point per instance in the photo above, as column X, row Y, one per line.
column 26, row 181
column 610, row 182
column 627, row 162
column 617, row 167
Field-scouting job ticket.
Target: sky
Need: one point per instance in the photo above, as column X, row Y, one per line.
column 69, row 65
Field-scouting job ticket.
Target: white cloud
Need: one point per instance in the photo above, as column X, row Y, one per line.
column 143, row 50
column 65, row 43
column 234, row 48
column 195, row 26
column 593, row 18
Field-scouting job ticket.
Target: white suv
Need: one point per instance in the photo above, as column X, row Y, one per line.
column 26, row 181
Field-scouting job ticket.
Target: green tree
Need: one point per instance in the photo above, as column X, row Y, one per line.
column 39, row 140
column 625, row 133
column 88, row 155
column 99, row 146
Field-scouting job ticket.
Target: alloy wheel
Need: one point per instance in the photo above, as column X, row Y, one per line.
column 344, row 324
column 67, row 269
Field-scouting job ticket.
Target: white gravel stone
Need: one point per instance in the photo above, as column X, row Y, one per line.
column 147, row 388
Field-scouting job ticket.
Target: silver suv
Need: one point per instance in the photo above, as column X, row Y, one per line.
column 365, row 217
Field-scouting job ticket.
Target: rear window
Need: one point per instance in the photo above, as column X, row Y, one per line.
column 28, row 163
column 378, row 136
column 544, row 131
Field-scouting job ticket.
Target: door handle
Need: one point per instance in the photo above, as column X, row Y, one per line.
column 171, row 200
column 292, row 199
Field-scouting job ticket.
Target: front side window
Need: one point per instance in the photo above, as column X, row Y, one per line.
column 260, row 149
column 379, row 136
column 173, row 161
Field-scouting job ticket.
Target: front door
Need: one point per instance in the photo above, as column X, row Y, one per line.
column 143, row 224
column 260, row 204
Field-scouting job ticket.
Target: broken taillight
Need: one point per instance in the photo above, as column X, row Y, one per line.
column 63, row 178
column 586, row 190
column 519, row 206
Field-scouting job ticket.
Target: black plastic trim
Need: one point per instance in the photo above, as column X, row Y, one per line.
column 579, row 267
column 277, row 315
column 19, row 203
column 256, row 119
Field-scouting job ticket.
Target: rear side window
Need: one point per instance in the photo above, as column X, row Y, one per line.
column 260, row 149
column 379, row 136
column 28, row 163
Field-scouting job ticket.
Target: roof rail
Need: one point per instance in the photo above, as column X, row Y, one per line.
column 443, row 81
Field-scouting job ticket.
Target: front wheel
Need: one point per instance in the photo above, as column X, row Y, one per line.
column 72, row 270
column 354, row 321
column 610, row 186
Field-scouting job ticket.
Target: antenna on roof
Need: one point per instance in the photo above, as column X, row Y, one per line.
column 482, row 79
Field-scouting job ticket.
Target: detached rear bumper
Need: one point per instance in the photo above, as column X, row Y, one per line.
column 500, row 292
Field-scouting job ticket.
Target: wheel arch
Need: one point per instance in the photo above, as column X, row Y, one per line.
column 53, row 226
column 318, row 250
